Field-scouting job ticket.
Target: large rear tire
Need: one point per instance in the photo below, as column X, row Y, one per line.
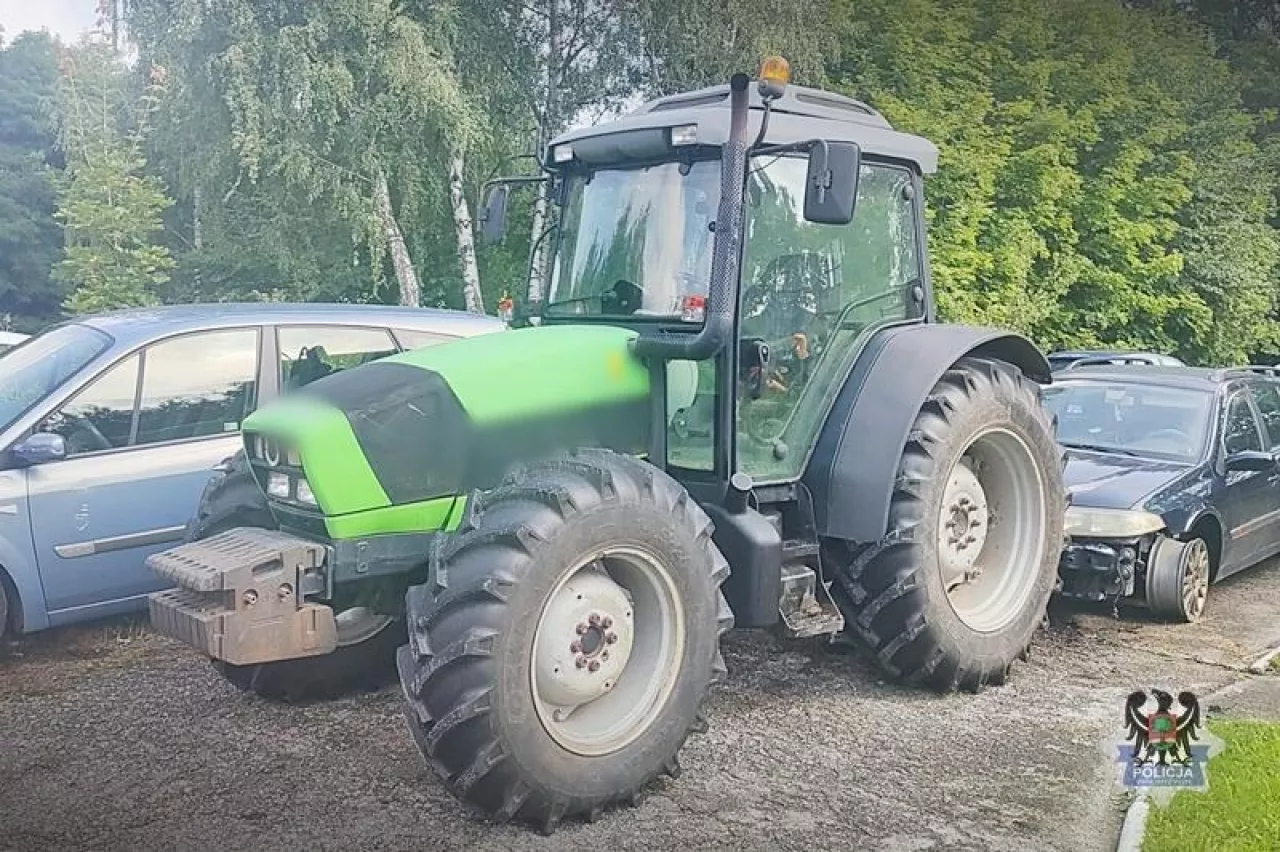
column 956, row 590
column 367, row 640
column 564, row 563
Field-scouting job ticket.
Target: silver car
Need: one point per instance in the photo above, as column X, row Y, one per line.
column 111, row 425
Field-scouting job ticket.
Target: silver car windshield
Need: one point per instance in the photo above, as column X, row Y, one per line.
column 39, row 366
column 1131, row 418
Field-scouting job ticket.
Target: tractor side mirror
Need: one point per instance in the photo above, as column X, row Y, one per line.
column 493, row 214
column 831, row 187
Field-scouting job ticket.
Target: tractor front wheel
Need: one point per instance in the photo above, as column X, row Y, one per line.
column 367, row 640
column 560, row 653
column 955, row 591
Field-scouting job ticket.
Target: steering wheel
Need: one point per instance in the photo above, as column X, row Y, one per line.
column 1170, row 435
column 77, row 431
column 1176, row 439
column 768, row 430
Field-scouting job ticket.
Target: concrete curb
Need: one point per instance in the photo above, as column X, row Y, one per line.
column 1134, row 826
column 1260, row 665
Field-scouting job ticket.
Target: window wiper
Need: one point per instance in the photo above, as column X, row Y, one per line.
column 1099, row 448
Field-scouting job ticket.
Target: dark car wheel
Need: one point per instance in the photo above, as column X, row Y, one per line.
column 1178, row 575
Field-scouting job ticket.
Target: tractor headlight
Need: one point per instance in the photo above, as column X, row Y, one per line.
column 303, row 493
column 278, row 485
column 1084, row 522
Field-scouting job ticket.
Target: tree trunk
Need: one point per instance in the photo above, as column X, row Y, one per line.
column 197, row 218
column 471, row 295
column 537, row 248
column 410, row 292
column 548, row 128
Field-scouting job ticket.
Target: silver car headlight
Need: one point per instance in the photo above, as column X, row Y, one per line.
column 1084, row 522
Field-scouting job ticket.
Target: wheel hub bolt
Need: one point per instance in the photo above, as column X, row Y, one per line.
column 594, row 620
column 606, row 622
column 611, row 638
column 594, row 666
column 581, row 629
column 581, row 662
column 575, row 647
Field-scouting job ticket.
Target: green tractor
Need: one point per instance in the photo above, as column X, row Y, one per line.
column 734, row 406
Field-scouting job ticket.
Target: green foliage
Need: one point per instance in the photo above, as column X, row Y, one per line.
column 1109, row 171
column 111, row 209
column 1099, row 182
column 694, row 43
column 30, row 240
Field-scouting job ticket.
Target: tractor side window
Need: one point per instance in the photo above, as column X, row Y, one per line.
column 308, row 353
column 811, row 294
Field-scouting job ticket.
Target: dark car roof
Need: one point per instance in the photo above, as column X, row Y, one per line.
column 1191, row 378
column 142, row 323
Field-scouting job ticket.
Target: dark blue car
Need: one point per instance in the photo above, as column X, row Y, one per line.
column 1174, row 480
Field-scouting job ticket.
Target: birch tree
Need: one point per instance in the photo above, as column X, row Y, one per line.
column 563, row 61
column 346, row 102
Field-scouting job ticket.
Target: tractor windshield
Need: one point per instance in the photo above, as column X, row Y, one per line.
column 636, row 242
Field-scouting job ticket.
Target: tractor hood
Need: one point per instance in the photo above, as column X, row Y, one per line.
column 426, row 426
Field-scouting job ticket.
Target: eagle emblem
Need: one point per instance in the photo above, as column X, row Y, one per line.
column 1162, row 736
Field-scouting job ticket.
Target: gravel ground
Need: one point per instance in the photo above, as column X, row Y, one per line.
column 113, row 738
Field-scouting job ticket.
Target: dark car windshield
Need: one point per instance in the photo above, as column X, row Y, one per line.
column 1131, row 418
column 39, row 366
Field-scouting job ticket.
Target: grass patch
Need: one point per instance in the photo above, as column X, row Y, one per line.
column 1241, row 809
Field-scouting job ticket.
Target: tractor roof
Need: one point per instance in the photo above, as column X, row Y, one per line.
column 800, row 114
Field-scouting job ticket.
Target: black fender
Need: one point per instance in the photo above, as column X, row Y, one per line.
column 1185, row 519
column 855, row 460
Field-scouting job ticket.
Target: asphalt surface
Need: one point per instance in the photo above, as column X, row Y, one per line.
column 112, row 738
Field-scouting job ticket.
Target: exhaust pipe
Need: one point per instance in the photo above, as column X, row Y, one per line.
column 717, row 328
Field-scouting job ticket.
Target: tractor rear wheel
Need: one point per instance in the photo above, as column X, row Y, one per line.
column 560, row 654
column 367, row 639
column 955, row 591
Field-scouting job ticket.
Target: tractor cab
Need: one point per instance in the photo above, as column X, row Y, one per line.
column 828, row 215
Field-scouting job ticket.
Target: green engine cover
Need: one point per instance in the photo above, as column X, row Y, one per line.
column 390, row 446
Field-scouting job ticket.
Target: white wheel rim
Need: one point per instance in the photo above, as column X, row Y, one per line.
column 359, row 624
column 1195, row 579
column 607, row 651
column 991, row 529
